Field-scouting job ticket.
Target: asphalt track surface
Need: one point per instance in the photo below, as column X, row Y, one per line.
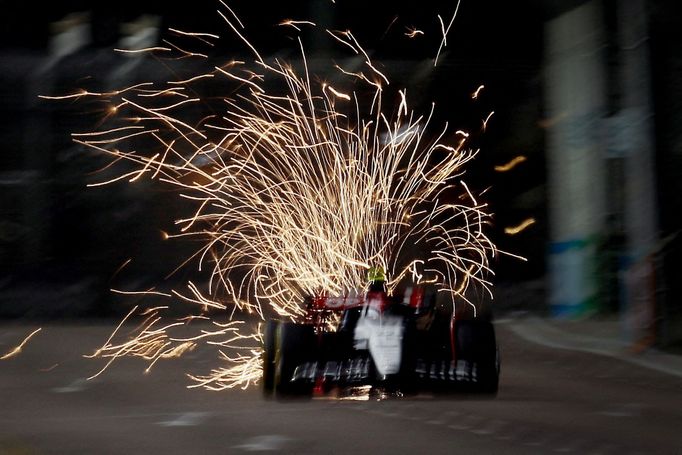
column 550, row 401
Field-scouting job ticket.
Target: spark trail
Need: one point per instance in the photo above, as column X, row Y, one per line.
column 297, row 188
column 17, row 350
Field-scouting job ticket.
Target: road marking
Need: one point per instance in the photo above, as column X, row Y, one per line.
column 505, row 437
column 536, row 438
column 459, row 427
column 623, row 410
column 605, row 449
column 492, row 427
column 76, row 386
column 264, row 443
column 188, row 419
column 470, row 422
column 574, row 445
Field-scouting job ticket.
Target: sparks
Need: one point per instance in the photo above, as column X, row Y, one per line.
column 145, row 50
column 292, row 194
column 187, row 81
column 193, row 34
column 445, row 32
column 337, row 93
column 295, row 24
column 17, row 350
column 511, row 164
column 485, row 122
column 477, row 92
column 513, row 230
column 413, row 32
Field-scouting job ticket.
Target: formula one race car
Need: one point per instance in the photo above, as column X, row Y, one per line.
column 402, row 345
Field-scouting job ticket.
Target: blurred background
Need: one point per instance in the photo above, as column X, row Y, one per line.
column 583, row 153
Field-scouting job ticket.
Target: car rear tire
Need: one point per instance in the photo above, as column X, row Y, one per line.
column 268, row 357
column 475, row 343
column 294, row 346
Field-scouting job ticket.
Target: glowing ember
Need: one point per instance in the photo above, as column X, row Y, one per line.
column 296, row 190
column 477, row 92
column 511, row 164
column 17, row 350
column 445, row 31
column 413, row 32
column 513, row 230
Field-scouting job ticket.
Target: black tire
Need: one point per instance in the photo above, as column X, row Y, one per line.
column 408, row 362
column 294, row 346
column 268, row 357
column 476, row 343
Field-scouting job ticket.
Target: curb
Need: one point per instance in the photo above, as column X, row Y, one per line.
column 539, row 331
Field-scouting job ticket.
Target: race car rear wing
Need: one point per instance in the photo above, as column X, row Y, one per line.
column 412, row 297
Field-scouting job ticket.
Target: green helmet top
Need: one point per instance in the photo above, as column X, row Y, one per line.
column 376, row 274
